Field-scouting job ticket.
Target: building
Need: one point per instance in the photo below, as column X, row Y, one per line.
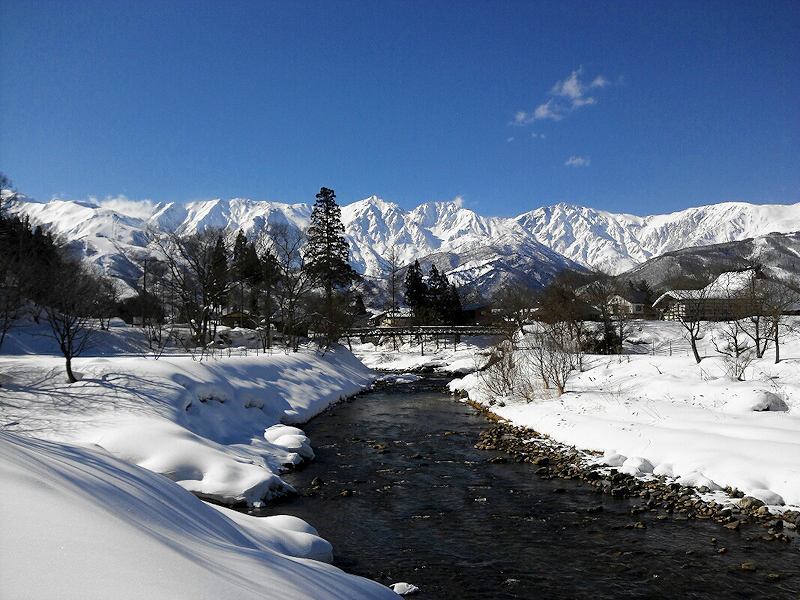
column 632, row 303
column 726, row 298
column 398, row 317
column 237, row 318
column 478, row 314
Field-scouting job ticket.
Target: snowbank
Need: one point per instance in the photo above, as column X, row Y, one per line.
column 408, row 355
column 79, row 523
column 672, row 417
column 203, row 424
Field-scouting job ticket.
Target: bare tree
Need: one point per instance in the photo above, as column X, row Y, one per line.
column 600, row 295
column 295, row 285
column 731, row 342
column 68, row 311
column 778, row 299
column 515, row 304
column 392, row 270
column 196, row 275
column 555, row 354
column 751, row 306
column 689, row 312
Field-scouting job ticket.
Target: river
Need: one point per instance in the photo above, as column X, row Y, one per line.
column 404, row 496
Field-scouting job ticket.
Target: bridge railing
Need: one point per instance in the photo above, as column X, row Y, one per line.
column 425, row 330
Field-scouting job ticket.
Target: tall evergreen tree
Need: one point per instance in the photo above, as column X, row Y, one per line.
column 238, row 265
column 326, row 258
column 416, row 295
column 452, row 305
column 438, row 288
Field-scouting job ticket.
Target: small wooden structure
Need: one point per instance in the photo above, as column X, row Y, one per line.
column 398, row 317
column 237, row 318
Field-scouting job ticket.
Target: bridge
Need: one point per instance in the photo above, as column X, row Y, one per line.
column 458, row 331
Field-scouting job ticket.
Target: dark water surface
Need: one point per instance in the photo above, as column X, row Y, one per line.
column 427, row 508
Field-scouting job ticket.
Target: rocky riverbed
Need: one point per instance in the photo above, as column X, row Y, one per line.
column 412, row 485
column 658, row 495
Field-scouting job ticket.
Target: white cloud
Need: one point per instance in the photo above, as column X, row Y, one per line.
column 578, row 102
column 521, row 118
column 537, row 135
column 578, row 161
column 511, row 139
column 566, row 96
column 548, row 110
column 138, row 209
column 571, row 87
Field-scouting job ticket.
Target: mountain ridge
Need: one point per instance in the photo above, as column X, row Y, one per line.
column 542, row 241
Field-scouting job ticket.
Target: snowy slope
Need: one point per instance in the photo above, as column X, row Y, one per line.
column 691, row 422
column 79, row 523
column 542, row 242
column 618, row 242
column 778, row 253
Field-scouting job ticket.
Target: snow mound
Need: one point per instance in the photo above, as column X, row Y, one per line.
column 404, row 589
column 767, row 497
column 756, row 401
column 105, row 528
column 696, row 479
column 612, row 459
column 291, row 439
column 637, row 466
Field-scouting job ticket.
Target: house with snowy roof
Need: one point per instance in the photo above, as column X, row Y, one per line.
column 726, row 298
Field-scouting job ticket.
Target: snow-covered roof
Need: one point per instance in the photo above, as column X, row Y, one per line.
column 727, row 285
column 401, row 313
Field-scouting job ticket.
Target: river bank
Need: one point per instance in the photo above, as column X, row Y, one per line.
column 410, row 494
column 102, row 478
column 659, row 495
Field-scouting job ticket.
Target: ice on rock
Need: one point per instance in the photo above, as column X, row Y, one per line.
column 756, row 401
column 613, row 459
column 404, row 589
column 698, row 480
column 636, row 465
column 767, row 497
column 663, row 470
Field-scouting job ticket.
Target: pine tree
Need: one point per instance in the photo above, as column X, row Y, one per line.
column 452, row 305
column 326, row 258
column 416, row 295
column 238, row 266
column 438, row 288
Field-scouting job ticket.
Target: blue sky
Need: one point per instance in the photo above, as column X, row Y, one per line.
column 641, row 107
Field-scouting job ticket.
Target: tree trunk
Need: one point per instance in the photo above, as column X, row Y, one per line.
column 70, row 375
column 759, row 351
column 777, row 346
column 694, row 350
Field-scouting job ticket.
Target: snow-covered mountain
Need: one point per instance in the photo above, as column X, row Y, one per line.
column 476, row 251
column 617, row 242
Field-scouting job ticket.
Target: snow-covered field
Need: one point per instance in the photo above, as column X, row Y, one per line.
column 670, row 416
column 410, row 355
column 90, row 507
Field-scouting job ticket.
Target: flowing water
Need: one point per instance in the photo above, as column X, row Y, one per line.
column 428, row 508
